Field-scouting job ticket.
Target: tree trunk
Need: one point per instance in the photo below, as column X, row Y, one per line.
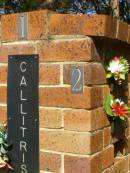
column 115, row 8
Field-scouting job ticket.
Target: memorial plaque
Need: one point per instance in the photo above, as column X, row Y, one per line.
column 22, row 26
column 22, row 110
column 77, row 79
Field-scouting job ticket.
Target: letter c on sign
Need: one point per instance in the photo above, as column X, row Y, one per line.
column 23, row 66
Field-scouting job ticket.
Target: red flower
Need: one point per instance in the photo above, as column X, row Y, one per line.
column 119, row 110
column 116, row 59
column 5, row 166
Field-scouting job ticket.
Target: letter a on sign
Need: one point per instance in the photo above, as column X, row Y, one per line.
column 22, row 110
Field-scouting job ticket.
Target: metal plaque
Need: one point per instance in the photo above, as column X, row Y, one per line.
column 22, row 26
column 77, row 79
column 22, row 111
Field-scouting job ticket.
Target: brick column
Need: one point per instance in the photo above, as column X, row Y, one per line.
column 75, row 134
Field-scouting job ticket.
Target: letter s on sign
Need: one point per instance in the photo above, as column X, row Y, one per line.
column 24, row 169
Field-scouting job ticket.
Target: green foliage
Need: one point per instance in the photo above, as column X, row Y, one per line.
column 4, row 147
column 109, row 75
column 107, row 105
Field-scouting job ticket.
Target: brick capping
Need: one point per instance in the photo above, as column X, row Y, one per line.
column 43, row 24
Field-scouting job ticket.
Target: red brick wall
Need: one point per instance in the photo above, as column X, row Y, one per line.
column 75, row 134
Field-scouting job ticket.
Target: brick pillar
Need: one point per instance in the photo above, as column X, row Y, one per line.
column 72, row 124
column 75, row 134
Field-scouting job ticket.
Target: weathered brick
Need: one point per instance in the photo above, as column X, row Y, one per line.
column 76, row 50
column 108, row 157
column 37, row 21
column 92, row 71
column 128, row 143
column 99, row 119
column 3, row 74
column 50, row 118
column 106, row 171
column 92, row 164
column 122, row 33
column 112, row 169
column 50, row 162
column 126, row 163
column 96, row 163
column 25, row 49
column 128, row 40
column 106, row 90
column 37, row 26
column 81, row 24
column 63, row 141
column 129, row 161
column 66, row 24
column 77, row 119
column 128, row 77
column 84, row 120
column 9, row 24
column 96, row 141
column 107, row 136
column 83, row 50
column 62, row 97
column 3, row 114
column 3, row 94
column 49, row 74
column 120, row 165
column 129, row 90
column 71, row 142
column 111, row 27
column 76, row 164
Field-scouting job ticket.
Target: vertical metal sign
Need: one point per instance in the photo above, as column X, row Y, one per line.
column 23, row 121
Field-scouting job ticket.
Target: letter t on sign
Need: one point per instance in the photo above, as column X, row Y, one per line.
column 22, row 27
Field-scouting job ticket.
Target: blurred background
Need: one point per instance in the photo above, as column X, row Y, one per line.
column 117, row 8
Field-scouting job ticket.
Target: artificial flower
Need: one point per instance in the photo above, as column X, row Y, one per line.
column 4, row 165
column 116, row 108
column 4, row 148
column 117, row 68
column 119, row 109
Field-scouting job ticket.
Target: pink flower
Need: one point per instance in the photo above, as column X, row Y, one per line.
column 5, row 166
column 115, row 66
column 116, row 59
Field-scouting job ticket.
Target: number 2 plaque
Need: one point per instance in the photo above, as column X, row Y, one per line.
column 77, row 79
